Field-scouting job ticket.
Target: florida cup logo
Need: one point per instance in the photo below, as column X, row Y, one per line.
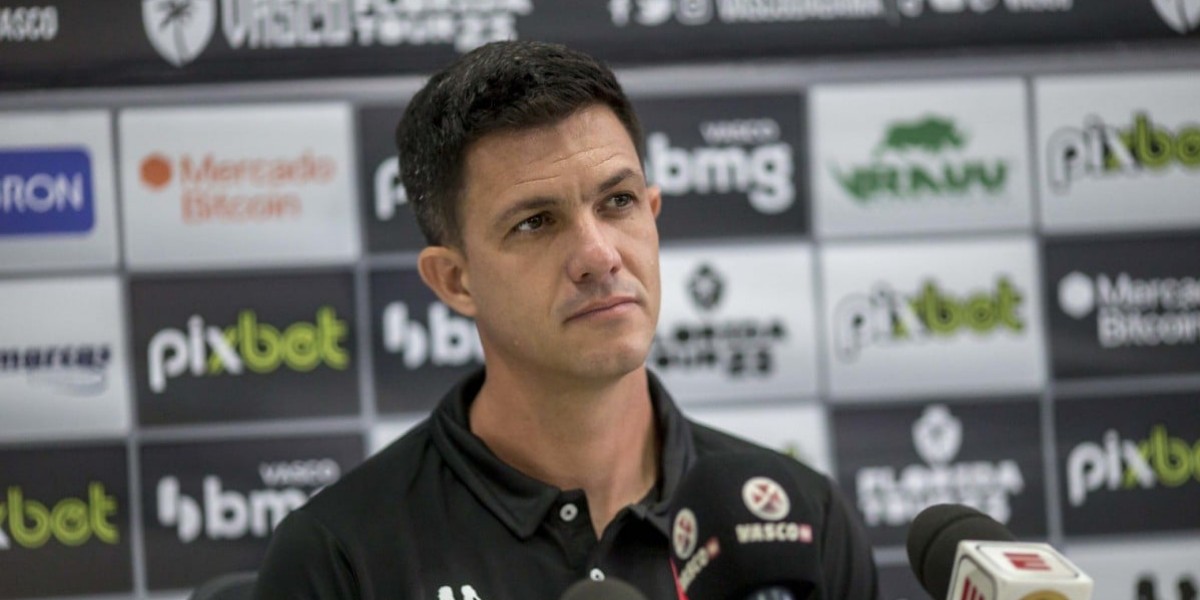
column 179, row 29
column 766, row 499
column 684, row 533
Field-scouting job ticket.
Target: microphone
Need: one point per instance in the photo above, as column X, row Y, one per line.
column 609, row 589
column 740, row 531
column 959, row 553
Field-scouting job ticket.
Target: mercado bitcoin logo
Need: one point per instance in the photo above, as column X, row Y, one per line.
column 1103, row 150
column 204, row 350
column 30, row 523
column 885, row 316
column 926, row 158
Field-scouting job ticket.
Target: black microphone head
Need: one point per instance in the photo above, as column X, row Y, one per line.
column 933, row 541
column 609, row 589
column 739, row 524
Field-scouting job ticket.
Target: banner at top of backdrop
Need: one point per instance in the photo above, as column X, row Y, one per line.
column 79, row 43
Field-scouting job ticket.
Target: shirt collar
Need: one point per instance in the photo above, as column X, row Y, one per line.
column 521, row 502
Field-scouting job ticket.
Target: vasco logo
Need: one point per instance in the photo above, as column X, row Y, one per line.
column 1101, row 150
column 885, row 317
column 1132, row 311
column 891, row 498
column 741, row 156
column 73, row 369
column 1117, row 464
column 206, row 350
column 922, row 159
column 28, row 24
column 765, row 499
column 447, row 340
column 684, row 533
column 71, row 521
column 223, row 514
column 236, row 190
column 1181, row 15
column 46, row 191
column 736, row 346
column 652, row 13
column 179, row 29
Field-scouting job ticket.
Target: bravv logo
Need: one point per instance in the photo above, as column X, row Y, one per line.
column 1116, row 464
column 444, row 339
column 885, row 317
column 745, row 156
column 736, row 346
column 234, row 190
column 204, row 350
column 652, row 13
column 923, row 159
column 1132, row 311
column 180, row 30
column 888, row 496
column 30, row 523
column 226, row 514
column 75, row 369
column 1181, row 15
column 1101, row 150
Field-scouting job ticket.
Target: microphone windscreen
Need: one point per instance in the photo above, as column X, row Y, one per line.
column 933, row 541
column 740, row 523
column 609, row 589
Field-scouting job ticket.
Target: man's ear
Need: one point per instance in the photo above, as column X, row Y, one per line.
column 444, row 270
column 654, row 193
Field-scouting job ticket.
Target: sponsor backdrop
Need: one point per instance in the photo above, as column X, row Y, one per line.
column 932, row 266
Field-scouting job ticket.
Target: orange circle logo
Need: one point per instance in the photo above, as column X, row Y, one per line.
column 156, row 171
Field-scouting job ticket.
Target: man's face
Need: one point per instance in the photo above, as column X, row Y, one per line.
column 561, row 248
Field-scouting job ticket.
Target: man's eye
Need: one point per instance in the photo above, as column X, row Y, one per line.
column 621, row 200
column 533, row 223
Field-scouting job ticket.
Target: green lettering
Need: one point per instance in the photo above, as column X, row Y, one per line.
column 331, row 332
column 1170, row 457
column 1007, row 301
column 1187, row 147
column 300, row 347
column 1151, row 147
column 994, row 182
column 857, row 183
column 29, row 536
column 103, row 506
column 939, row 313
column 922, row 182
column 260, row 343
column 981, row 313
column 958, row 180
column 69, row 522
column 215, row 366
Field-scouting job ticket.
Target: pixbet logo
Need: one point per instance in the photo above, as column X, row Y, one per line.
column 1099, row 150
column 225, row 514
column 1134, row 311
column 446, row 341
column 885, row 317
column 737, row 346
column 46, row 191
column 891, row 498
column 71, row 521
column 1117, row 464
column 922, row 159
column 741, row 156
column 206, row 350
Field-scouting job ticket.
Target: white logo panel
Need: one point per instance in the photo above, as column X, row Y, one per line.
column 798, row 430
column 238, row 185
column 908, row 158
column 933, row 318
column 62, row 359
column 737, row 323
column 89, row 132
column 1119, row 152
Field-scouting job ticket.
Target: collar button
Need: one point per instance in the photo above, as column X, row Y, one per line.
column 568, row 512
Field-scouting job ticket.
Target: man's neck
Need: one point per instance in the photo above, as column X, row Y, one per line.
column 596, row 436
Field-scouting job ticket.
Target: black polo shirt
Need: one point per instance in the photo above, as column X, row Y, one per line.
column 437, row 516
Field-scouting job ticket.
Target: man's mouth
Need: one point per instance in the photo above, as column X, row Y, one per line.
column 609, row 306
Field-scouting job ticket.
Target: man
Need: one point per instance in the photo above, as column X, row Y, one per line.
column 523, row 163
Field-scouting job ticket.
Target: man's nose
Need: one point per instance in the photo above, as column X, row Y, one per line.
column 594, row 256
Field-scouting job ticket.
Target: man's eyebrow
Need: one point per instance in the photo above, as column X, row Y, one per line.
column 527, row 204
column 615, row 180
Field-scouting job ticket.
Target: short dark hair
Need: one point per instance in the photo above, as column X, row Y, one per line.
column 501, row 86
